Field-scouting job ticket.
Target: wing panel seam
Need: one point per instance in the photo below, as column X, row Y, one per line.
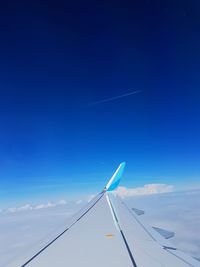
column 121, row 232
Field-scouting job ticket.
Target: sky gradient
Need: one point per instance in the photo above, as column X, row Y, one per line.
column 61, row 60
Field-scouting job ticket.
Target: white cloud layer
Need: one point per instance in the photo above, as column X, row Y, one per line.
column 26, row 227
column 175, row 211
column 148, row 189
column 23, row 227
column 28, row 207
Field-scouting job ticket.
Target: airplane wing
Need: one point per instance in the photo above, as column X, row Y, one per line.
column 107, row 233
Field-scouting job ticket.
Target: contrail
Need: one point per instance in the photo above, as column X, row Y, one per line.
column 114, row 98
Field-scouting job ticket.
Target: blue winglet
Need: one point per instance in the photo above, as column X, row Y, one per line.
column 115, row 180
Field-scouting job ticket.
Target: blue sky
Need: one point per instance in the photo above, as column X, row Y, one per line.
column 58, row 59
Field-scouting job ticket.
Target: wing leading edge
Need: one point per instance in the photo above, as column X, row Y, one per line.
column 107, row 233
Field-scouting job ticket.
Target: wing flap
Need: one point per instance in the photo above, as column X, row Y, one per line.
column 148, row 247
column 165, row 233
column 137, row 211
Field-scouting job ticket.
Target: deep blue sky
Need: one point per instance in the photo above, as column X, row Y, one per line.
column 57, row 58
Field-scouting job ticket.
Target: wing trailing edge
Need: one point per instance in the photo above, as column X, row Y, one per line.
column 165, row 233
column 138, row 212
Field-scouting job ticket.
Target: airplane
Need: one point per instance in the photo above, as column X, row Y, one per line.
column 107, row 233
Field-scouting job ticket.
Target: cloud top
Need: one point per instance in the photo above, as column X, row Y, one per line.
column 122, row 191
column 28, row 207
column 148, row 189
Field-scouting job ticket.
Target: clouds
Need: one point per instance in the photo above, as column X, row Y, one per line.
column 23, row 227
column 90, row 197
column 121, row 191
column 147, row 189
column 28, row 226
column 174, row 211
column 22, row 208
column 28, row 207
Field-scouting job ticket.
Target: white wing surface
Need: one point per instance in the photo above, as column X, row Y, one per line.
column 107, row 233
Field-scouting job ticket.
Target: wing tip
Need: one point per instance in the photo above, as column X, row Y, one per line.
column 115, row 179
